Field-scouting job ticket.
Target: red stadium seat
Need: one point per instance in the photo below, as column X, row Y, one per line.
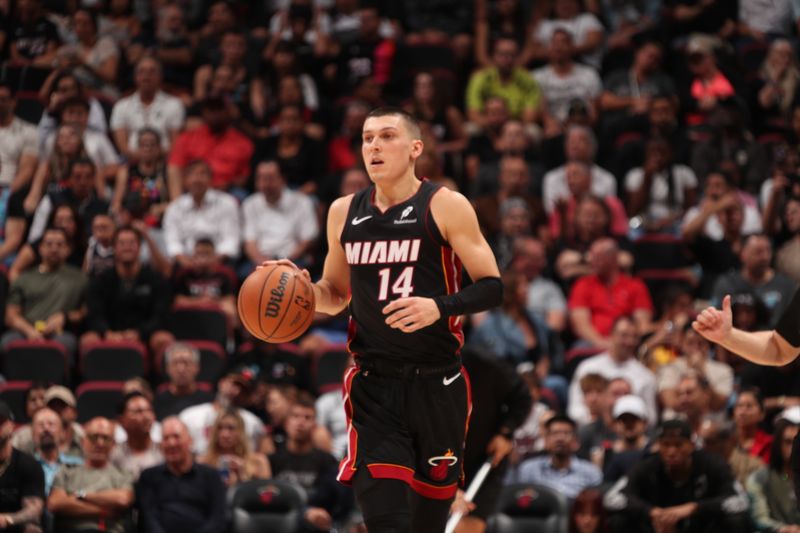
column 196, row 322
column 13, row 393
column 98, row 398
column 113, row 361
column 40, row 360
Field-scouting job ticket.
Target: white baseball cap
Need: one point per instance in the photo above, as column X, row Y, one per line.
column 630, row 404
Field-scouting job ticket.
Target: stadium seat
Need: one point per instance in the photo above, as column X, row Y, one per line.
column 40, row 360
column 98, row 398
column 199, row 323
column 13, row 393
column 329, row 368
column 201, row 385
column 113, row 361
column 212, row 361
column 528, row 507
column 266, row 505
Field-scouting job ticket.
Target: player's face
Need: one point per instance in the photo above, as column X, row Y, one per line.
column 388, row 147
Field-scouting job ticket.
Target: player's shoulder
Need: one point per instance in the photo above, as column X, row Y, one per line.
column 444, row 198
column 341, row 206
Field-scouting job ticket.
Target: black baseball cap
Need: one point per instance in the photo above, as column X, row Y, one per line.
column 675, row 428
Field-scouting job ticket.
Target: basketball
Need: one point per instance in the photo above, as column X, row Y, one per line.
column 276, row 303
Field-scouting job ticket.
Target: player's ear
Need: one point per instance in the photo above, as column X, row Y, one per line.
column 416, row 148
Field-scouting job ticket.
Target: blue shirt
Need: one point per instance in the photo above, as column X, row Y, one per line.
column 570, row 481
column 51, row 469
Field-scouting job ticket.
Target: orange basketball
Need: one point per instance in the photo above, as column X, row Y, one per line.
column 276, row 303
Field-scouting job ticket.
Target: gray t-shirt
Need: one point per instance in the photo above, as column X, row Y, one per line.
column 776, row 293
column 84, row 478
column 545, row 296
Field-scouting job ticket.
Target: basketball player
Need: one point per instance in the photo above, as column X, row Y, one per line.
column 395, row 256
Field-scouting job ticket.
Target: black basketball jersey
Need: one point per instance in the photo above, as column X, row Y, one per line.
column 395, row 254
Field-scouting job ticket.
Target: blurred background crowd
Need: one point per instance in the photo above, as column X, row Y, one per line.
column 630, row 162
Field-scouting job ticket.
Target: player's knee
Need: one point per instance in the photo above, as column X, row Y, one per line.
column 395, row 522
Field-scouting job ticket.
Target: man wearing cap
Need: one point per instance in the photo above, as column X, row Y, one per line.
column 21, row 482
column 232, row 390
column 61, row 400
column 630, row 424
column 679, row 489
column 97, row 495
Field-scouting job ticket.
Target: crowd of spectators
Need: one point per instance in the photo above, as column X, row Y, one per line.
column 629, row 162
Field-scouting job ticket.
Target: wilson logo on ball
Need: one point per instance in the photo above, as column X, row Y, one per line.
column 276, row 296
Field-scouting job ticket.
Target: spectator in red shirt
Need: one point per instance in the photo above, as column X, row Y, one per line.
column 599, row 299
column 216, row 142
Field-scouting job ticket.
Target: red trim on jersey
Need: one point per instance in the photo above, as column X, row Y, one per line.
column 347, row 467
column 406, row 474
column 351, row 333
column 467, row 381
column 451, row 266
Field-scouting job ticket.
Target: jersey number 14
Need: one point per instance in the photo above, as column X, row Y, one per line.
column 403, row 286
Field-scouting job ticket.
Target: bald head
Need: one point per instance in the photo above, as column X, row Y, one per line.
column 176, row 444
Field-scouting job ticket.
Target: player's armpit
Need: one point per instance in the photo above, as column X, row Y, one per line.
column 458, row 224
column 332, row 289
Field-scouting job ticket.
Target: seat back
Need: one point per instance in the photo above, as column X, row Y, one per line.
column 329, row 367
column 266, row 505
column 113, row 361
column 529, row 507
column 199, row 323
column 98, row 398
column 40, row 360
column 14, row 393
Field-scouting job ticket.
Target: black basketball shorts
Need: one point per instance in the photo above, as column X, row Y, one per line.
column 408, row 424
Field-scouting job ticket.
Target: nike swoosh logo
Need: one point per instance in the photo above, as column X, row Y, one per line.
column 447, row 381
column 357, row 221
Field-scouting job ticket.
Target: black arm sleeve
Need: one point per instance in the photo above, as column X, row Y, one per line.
column 483, row 294
column 789, row 324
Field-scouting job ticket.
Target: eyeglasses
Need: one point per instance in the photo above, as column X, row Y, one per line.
column 99, row 437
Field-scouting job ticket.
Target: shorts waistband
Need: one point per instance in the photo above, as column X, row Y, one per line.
column 405, row 370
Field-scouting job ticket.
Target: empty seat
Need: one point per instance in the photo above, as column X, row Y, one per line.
column 113, row 361
column 14, row 393
column 199, row 323
column 529, row 507
column 266, row 505
column 212, row 361
column 98, row 398
column 40, row 360
column 329, row 368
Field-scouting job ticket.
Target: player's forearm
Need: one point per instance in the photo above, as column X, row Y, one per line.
column 327, row 298
column 760, row 347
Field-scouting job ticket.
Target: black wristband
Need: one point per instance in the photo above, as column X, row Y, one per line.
column 483, row 294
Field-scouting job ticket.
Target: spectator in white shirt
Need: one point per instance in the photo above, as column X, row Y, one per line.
column 148, row 107
column 278, row 222
column 201, row 212
column 618, row 361
column 579, row 145
column 565, row 82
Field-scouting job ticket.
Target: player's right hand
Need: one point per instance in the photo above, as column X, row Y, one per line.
column 715, row 324
column 285, row 262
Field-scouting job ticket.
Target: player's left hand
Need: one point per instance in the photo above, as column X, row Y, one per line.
column 411, row 314
column 498, row 448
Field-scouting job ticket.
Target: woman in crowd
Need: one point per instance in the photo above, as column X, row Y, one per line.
column 94, row 59
column 748, row 414
column 430, row 105
column 229, row 451
column 141, row 187
column 588, row 514
column 775, row 91
column 771, row 489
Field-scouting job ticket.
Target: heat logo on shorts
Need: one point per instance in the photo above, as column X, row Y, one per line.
column 276, row 296
column 440, row 464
